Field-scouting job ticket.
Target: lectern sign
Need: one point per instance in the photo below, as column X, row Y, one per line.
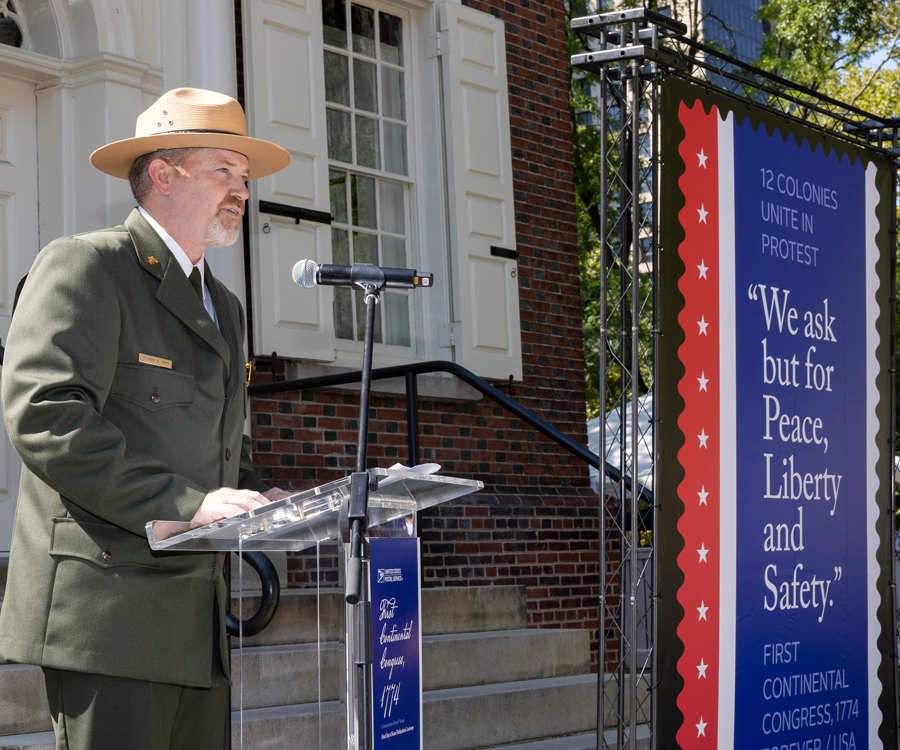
column 781, row 372
column 397, row 643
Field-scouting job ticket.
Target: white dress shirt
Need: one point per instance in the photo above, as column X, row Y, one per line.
column 185, row 262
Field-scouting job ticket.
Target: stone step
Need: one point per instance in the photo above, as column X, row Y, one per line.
column 307, row 726
column 287, row 675
column 283, row 728
column 509, row 712
column 444, row 611
column 303, row 616
column 23, row 701
column 467, row 659
column 47, row 740
column 454, row 719
column 36, row 741
column 582, row 741
column 473, row 609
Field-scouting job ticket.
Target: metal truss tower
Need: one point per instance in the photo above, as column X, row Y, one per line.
column 632, row 52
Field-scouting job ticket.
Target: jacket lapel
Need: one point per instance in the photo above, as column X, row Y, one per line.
column 230, row 327
column 175, row 292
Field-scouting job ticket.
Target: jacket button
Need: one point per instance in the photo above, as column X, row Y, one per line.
column 228, row 454
column 106, row 555
column 154, row 397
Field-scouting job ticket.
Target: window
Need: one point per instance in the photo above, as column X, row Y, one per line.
column 365, row 94
column 11, row 25
column 415, row 171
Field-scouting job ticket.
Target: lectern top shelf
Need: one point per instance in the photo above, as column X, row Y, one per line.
column 299, row 521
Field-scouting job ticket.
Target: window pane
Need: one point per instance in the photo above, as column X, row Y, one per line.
column 391, row 32
column 343, row 313
column 393, row 252
column 368, row 149
column 362, row 196
column 338, row 124
column 396, row 319
column 334, row 21
column 365, row 86
column 340, row 247
column 393, row 95
column 362, row 21
column 337, row 78
column 361, row 320
column 392, row 209
column 337, row 186
column 365, row 248
column 394, row 148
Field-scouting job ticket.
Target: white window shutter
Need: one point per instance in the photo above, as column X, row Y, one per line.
column 482, row 213
column 285, row 85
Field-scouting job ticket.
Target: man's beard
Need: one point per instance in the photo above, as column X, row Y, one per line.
column 220, row 235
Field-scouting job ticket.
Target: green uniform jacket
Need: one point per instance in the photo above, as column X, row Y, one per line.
column 109, row 443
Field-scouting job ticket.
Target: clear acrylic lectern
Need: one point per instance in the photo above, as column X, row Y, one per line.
column 305, row 519
column 299, row 521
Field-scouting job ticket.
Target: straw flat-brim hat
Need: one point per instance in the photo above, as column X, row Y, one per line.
column 191, row 118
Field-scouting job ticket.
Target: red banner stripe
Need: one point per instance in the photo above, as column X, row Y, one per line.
column 699, row 423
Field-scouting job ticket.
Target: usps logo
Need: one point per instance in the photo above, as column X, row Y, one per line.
column 390, row 575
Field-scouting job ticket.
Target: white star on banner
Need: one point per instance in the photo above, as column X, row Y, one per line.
column 703, row 437
column 701, row 728
column 702, row 610
column 703, row 214
column 703, row 552
column 703, row 269
column 703, row 380
column 701, row 668
column 702, row 157
column 703, row 495
column 702, row 323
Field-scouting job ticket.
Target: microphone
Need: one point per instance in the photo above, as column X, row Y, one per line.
column 307, row 273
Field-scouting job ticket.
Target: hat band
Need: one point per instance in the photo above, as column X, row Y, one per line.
column 209, row 132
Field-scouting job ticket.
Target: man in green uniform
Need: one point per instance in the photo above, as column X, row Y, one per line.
column 124, row 393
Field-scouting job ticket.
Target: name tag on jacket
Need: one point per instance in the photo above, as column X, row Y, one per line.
column 147, row 359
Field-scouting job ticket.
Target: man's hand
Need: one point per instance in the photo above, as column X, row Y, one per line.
column 276, row 493
column 226, row 502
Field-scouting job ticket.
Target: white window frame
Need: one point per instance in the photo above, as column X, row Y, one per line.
column 437, row 240
column 348, row 352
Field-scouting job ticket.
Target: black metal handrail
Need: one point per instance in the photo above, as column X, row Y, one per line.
column 411, row 370
column 268, row 600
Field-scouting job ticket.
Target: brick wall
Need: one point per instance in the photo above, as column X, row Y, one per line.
column 307, row 438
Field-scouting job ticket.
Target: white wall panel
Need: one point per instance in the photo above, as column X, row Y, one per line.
column 18, row 245
column 286, row 105
column 480, row 192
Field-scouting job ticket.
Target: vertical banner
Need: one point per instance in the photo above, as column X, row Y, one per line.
column 773, row 460
column 397, row 643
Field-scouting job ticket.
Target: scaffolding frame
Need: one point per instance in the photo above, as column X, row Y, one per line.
column 632, row 52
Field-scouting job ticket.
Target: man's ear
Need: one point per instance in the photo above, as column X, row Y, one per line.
column 162, row 174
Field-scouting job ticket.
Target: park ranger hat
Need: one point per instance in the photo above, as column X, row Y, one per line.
column 191, row 118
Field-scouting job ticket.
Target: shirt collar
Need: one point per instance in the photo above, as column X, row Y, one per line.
column 179, row 254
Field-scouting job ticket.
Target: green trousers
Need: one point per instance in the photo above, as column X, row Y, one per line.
column 95, row 712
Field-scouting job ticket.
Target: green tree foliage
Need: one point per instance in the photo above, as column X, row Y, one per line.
column 587, row 140
column 849, row 50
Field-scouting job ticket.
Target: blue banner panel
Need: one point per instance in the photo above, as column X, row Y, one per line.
column 397, row 643
column 801, row 585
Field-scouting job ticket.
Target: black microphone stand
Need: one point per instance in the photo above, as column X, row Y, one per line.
column 370, row 279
